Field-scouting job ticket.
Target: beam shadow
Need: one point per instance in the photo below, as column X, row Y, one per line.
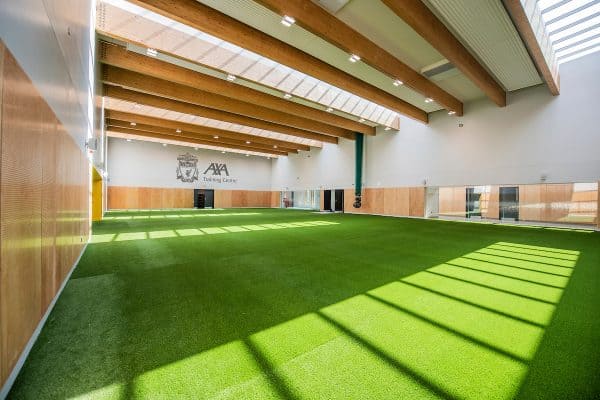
column 514, row 266
column 505, row 276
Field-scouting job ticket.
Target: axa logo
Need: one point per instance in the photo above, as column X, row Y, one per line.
column 217, row 169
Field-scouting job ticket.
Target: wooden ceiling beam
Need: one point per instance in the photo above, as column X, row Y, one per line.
column 199, row 129
column 118, row 56
column 323, row 24
column 416, row 14
column 205, row 112
column 521, row 21
column 148, row 84
column 155, row 135
column 215, row 23
column 186, row 133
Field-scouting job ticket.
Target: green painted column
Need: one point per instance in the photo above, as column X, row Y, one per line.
column 358, row 157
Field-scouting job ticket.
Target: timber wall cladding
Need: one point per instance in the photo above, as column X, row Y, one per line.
column 133, row 198
column 404, row 201
column 44, row 183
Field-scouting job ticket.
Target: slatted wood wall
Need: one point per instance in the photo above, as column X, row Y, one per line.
column 127, row 198
column 402, row 201
column 44, row 208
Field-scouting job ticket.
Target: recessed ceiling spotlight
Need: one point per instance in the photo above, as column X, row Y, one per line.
column 129, row 140
column 287, row 96
column 178, row 130
column 398, row 82
column 428, row 100
column 451, row 112
column 132, row 124
column 136, row 105
column 274, row 146
column 288, row 21
column 164, row 145
column 231, row 78
column 152, row 52
column 329, row 109
column 361, row 120
column 215, row 137
column 387, row 128
column 247, row 155
column 248, row 142
column 354, row 58
column 223, row 152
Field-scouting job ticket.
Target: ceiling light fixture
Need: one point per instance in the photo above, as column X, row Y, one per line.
column 361, row 120
column 329, row 109
column 288, row 21
column 129, row 140
column 398, row 82
column 215, row 137
column 231, row 78
column 274, row 146
column 178, row 130
column 287, row 96
column 354, row 58
column 451, row 112
column 223, row 152
column 164, row 145
column 136, row 105
column 248, row 142
column 132, row 124
column 428, row 100
column 152, row 52
column 387, row 128
column 247, row 155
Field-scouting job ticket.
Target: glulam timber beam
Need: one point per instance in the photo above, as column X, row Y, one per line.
column 323, row 24
column 206, row 19
column 164, row 88
column 416, row 14
column 132, row 96
column 118, row 56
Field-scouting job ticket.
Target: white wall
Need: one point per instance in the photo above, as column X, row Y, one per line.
column 535, row 134
column 149, row 164
column 53, row 41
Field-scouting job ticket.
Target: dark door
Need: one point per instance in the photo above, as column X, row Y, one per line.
column 327, row 200
column 204, row 198
column 209, row 198
column 509, row 203
column 339, row 200
column 473, row 205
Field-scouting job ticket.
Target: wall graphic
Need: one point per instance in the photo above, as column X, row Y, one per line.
column 187, row 170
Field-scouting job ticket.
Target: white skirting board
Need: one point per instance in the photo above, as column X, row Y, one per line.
column 36, row 333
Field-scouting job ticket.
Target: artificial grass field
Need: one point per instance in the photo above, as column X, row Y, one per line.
column 282, row 304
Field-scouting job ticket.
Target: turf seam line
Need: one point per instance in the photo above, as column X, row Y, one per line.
column 502, row 313
column 448, row 329
column 507, row 276
column 492, row 287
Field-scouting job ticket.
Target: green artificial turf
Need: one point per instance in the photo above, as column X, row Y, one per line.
column 282, row 304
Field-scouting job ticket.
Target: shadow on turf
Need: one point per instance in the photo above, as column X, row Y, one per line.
column 145, row 359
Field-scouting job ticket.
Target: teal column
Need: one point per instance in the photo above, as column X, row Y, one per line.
column 358, row 146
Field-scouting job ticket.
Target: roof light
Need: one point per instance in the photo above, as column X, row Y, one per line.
column 428, row 100
column 132, row 124
column 451, row 112
column 152, row 52
column 288, row 21
column 287, row 96
column 398, row 82
column 178, row 130
column 354, row 58
column 248, row 142
column 215, row 137
column 231, row 78
column 329, row 109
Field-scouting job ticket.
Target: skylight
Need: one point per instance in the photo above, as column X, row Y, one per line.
column 573, row 27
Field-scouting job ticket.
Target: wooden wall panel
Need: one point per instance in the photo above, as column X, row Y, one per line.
column 598, row 206
column 490, row 203
column 44, row 208
column 453, row 201
column 417, row 202
column 275, row 199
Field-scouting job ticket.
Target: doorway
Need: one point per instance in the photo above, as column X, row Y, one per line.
column 509, row 203
column 204, row 198
column 339, row 200
column 473, row 203
column 327, row 200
